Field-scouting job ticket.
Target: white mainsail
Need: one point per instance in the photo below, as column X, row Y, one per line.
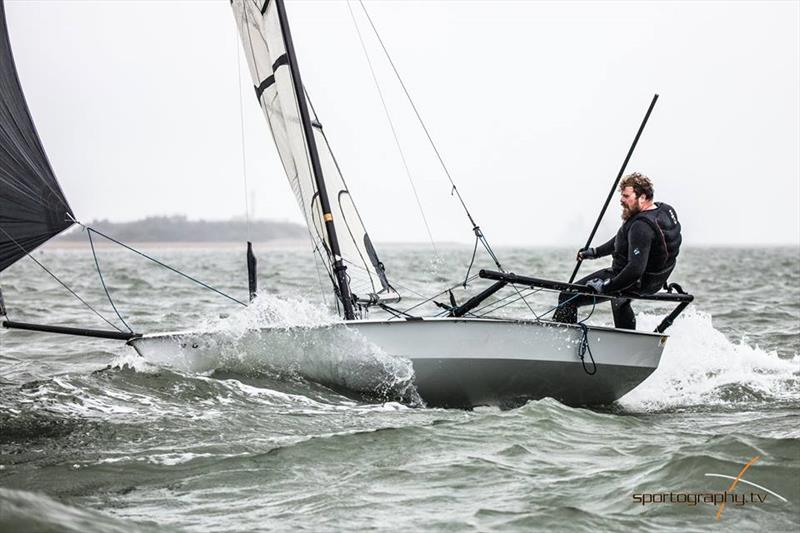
column 263, row 41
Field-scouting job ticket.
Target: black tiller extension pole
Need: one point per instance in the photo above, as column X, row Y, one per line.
column 614, row 185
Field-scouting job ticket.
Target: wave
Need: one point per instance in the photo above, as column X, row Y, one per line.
column 292, row 338
column 30, row 511
column 701, row 366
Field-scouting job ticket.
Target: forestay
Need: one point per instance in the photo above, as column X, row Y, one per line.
column 32, row 206
column 265, row 49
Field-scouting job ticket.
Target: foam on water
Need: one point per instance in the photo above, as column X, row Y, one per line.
column 700, row 365
column 271, row 311
column 130, row 359
column 68, row 396
column 295, row 338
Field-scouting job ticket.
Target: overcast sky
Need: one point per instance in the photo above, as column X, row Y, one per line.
column 532, row 104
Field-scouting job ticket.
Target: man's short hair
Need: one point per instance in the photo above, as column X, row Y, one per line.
column 640, row 184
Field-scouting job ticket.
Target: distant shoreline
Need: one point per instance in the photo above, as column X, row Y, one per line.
column 178, row 229
column 64, row 244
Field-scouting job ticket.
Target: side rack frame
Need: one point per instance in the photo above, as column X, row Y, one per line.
column 675, row 293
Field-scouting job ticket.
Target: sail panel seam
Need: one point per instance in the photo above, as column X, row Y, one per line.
column 269, row 80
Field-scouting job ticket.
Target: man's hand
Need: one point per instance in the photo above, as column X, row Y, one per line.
column 597, row 284
column 586, row 253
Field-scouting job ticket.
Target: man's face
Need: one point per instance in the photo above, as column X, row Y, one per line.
column 631, row 204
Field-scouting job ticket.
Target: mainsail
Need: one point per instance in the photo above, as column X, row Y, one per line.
column 262, row 37
column 33, row 208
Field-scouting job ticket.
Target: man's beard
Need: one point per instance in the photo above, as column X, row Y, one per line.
column 628, row 213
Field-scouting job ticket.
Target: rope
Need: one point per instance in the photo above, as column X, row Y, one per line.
column 162, row 264
column 454, row 189
column 559, row 305
column 103, row 282
column 583, row 345
column 394, row 131
column 75, row 294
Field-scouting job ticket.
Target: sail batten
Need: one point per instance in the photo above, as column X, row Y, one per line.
column 306, row 155
column 33, row 208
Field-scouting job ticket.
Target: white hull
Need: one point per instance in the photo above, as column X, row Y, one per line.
column 457, row 362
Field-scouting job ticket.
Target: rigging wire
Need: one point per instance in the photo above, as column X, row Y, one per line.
column 103, row 281
column 475, row 276
column 319, row 279
column 471, row 262
column 488, row 308
column 454, row 190
column 168, row 267
column 75, row 294
column 242, row 137
column 524, row 300
column 394, row 131
column 393, row 283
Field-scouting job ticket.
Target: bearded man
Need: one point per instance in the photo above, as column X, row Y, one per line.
column 644, row 253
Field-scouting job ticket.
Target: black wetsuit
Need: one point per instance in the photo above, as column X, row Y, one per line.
column 644, row 252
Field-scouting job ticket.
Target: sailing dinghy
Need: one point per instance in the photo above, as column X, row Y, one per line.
column 463, row 355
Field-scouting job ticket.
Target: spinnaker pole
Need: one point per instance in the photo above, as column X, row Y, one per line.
column 614, row 185
column 339, row 268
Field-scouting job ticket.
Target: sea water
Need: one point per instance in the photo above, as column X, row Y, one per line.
column 93, row 438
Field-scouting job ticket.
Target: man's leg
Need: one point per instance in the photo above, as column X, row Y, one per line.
column 624, row 318
column 568, row 303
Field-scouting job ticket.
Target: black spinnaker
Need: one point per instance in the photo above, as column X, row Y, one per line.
column 33, row 208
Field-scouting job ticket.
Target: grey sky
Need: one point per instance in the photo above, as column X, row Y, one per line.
column 532, row 104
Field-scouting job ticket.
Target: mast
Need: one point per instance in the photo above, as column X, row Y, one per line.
column 339, row 268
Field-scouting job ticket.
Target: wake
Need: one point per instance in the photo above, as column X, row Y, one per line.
column 702, row 366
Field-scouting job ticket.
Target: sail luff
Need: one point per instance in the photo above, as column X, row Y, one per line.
column 340, row 270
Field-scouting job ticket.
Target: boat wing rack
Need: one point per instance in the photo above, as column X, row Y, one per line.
column 682, row 298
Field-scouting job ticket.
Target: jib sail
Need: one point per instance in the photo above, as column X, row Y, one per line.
column 262, row 37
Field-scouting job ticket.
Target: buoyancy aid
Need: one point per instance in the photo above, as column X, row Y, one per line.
column 663, row 220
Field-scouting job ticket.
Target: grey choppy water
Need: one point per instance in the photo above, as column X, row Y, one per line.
column 250, row 446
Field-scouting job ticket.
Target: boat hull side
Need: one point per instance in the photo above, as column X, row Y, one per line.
column 465, row 383
column 456, row 362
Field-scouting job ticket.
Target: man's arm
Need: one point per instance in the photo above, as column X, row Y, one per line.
column 605, row 249
column 640, row 237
